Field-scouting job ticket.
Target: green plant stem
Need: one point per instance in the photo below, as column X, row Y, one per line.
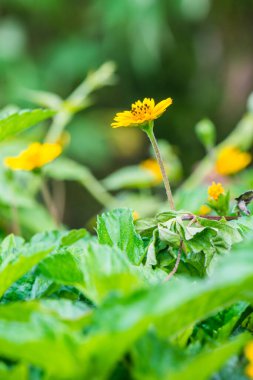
column 15, row 220
column 149, row 130
column 49, row 203
column 209, row 217
column 60, row 120
column 98, row 191
column 167, row 278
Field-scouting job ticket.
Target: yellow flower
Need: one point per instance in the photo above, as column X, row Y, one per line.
column 141, row 113
column 249, row 370
column 204, row 210
column 231, row 160
column 35, row 156
column 135, row 215
column 152, row 167
column 215, row 190
column 249, row 351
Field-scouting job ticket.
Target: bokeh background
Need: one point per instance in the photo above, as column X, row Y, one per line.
column 199, row 52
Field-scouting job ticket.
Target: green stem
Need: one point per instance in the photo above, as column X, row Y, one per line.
column 98, row 191
column 149, row 130
column 49, row 203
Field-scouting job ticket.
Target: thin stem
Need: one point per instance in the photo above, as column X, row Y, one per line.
column 167, row 278
column 97, row 190
column 150, row 133
column 49, row 203
column 15, row 220
column 209, row 217
column 59, row 198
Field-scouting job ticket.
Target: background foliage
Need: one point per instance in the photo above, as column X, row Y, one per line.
column 196, row 51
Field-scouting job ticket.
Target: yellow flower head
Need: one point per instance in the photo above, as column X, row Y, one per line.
column 249, row 351
column 215, row 190
column 35, row 156
column 249, row 371
column 135, row 215
column 204, row 210
column 141, row 113
column 152, row 166
column 231, row 160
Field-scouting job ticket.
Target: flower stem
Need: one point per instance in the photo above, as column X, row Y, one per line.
column 149, row 130
column 168, row 277
column 49, row 203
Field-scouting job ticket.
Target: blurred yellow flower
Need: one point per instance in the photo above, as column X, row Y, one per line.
column 204, row 210
column 135, row 215
column 249, row 351
column 231, row 160
column 153, row 167
column 215, row 190
column 141, row 113
column 35, row 156
column 249, row 371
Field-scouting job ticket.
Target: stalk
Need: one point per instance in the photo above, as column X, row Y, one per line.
column 49, row 203
column 149, row 131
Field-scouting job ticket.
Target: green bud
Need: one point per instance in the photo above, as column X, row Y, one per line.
column 206, row 133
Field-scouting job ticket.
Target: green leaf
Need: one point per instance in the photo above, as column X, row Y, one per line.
column 41, row 339
column 14, row 372
column 19, row 260
column 193, row 301
column 210, row 361
column 129, row 177
column 116, row 228
column 156, row 359
column 73, row 236
column 22, row 120
column 63, row 267
column 66, row 169
column 97, row 271
column 107, row 269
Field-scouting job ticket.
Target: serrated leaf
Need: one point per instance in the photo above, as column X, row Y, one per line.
column 40, row 339
column 116, row 228
column 22, row 120
column 97, row 271
column 157, row 359
column 18, row 262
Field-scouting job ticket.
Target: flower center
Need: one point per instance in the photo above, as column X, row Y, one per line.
column 139, row 110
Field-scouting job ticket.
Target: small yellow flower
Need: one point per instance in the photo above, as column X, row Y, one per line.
column 135, row 215
column 141, row 113
column 204, row 210
column 249, row 351
column 35, row 156
column 231, row 160
column 152, row 166
column 215, row 190
column 249, row 371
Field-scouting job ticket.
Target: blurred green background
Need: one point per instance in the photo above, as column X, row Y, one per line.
column 199, row 52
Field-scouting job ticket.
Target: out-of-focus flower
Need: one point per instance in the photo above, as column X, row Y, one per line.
column 152, row 167
column 249, row 370
column 249, row 351
column 135, row 215
column 215, row 190
column 35, row 156
column 231, row 160
column 141, row 113
column 249, row 355
column 204, row 210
